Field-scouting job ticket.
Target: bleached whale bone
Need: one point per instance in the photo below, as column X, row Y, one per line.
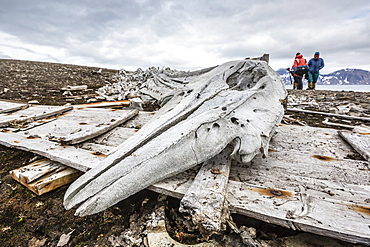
column 236, row 103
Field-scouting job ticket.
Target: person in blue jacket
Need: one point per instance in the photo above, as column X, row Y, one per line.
column 314, row 65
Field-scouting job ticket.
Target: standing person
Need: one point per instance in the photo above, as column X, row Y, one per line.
column 299, row 69
column 314, row 65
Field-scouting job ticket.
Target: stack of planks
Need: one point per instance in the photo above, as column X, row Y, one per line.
column 307, row 182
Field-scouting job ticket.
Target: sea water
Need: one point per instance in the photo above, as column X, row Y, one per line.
column 355, row 88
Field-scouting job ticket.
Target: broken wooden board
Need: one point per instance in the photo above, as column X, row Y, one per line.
column 297, row 191
column 6, row 106
column 44, row 175
column 80, row 125
column 72, row 156
column 31, row 114
column 361, row 143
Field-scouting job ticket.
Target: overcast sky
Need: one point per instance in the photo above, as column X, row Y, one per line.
column 185, row 34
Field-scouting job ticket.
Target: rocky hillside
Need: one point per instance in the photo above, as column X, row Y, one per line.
column 25, row 80
column 340, row 77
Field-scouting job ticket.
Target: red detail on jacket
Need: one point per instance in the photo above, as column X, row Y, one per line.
column 299, row 61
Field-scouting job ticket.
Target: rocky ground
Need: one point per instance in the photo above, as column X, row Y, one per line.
column 44, row 82
column 29, row 220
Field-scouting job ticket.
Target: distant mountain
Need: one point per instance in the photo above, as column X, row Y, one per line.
column 341, row 77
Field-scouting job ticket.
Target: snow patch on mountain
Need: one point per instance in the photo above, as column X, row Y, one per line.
column 339, row 77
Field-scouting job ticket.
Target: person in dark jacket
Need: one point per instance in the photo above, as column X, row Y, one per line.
column 314, row 65
column 299, row 69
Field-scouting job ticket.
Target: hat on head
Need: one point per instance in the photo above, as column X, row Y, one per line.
column 317, row 53
column 298, row 53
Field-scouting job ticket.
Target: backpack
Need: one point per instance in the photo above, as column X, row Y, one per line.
column 301, row 70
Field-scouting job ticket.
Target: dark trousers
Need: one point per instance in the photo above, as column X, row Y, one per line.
column 298, row 82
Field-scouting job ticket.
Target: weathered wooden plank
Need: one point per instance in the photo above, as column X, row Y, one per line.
column 6, row 106
column 206, row 199
column 94, row 147
column 293, row 170
column 300, row 211
column 329, row 114
column 361, row 143
column 81, row 124
column 31, row 114
column 310, row 140
column 74, row 157
column 115, row 137
column 99, row 129
column 120, row 134
column 140, row 120
column 35, row 170
column 312, row 198
column 37, row 123
column 44, row 176
column 326, row 121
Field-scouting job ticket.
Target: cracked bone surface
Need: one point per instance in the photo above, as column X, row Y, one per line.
column 237, row 103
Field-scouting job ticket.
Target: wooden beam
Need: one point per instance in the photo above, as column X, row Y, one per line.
column 74, row 157
column 6, row 106
column 31, row 114
column 328, row 114
column 206, row 198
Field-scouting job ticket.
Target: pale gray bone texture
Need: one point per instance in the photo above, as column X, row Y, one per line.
column 236, row 103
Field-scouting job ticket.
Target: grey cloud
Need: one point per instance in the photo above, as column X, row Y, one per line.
column 144, row 32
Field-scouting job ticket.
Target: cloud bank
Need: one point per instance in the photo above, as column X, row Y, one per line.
column 185, row 35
